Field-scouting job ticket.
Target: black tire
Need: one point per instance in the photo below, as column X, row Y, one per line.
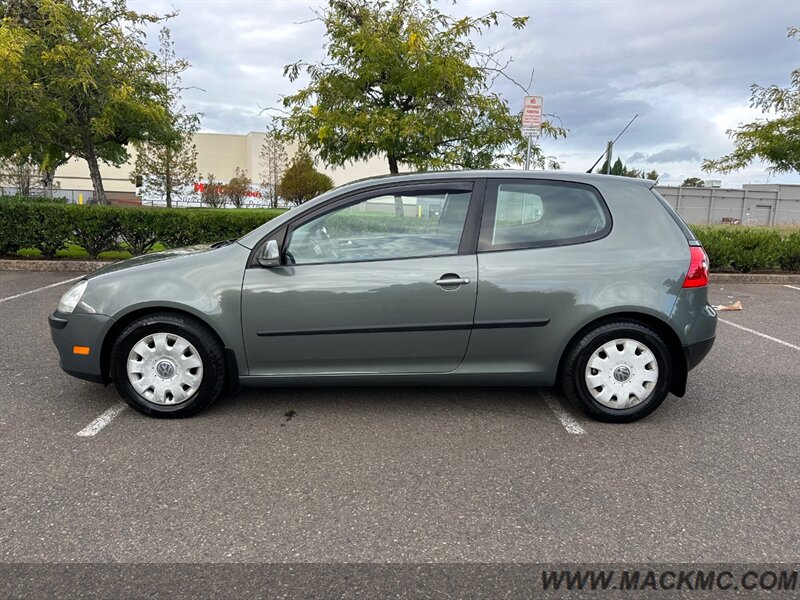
column 573, row 380
column 195, row 332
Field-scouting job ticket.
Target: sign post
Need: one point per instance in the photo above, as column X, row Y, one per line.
column 531, row 122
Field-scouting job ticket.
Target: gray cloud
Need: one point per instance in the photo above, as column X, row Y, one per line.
column 671, row 155
column 677, row 63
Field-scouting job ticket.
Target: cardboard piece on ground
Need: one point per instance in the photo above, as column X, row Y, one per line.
column 735, row 306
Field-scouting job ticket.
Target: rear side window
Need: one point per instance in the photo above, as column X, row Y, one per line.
column 532, row 214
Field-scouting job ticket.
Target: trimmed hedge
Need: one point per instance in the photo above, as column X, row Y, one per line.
column 745, row 249
column 49, row 227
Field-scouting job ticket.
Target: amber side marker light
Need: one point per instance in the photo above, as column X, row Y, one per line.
column 84, row 350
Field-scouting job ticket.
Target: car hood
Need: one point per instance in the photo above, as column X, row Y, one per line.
column 153, row 257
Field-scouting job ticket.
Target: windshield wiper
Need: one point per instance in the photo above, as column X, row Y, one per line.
column 223, row 243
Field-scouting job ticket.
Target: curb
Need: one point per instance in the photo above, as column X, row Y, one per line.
column 64, row 266
column 776, row 278
column 85, row 266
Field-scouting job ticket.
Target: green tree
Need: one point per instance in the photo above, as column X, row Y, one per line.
column 692, row 182
column 26, row 113
column 616, row 169
column 212, row 193
column 236, row 190
column 82, row 67
column 302, row 182
column 621, row 170
column 405, row 81
column 167, row 164
column 775, row 140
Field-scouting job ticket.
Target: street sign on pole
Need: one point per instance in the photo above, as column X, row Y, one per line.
column 531, row 122
column 532, row 112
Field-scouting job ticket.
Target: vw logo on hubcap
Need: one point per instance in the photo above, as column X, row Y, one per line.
column 165, row 369
column 622, row 373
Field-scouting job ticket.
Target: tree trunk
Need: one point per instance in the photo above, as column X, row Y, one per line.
column 48, row 175
column 168, row 179
column 398, row 200
column 97, row 180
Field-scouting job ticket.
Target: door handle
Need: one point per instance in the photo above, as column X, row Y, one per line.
column 448, row 281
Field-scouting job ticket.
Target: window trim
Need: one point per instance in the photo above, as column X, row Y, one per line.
column 468, row 232
column 490, row 212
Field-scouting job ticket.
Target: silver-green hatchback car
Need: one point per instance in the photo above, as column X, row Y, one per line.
column 457, row 278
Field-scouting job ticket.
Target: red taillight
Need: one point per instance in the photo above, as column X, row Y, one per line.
column 697, row 275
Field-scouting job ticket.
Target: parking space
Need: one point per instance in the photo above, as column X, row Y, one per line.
column 769, row 309
column 15, row 284
column 404, row 475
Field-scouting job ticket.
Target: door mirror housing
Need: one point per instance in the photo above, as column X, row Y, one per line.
column 269, row 255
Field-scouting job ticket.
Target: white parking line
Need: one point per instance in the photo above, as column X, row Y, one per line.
column 567, row 420
column 96, row 426
column 47, row 287
column 794, row 287
column 754, row 332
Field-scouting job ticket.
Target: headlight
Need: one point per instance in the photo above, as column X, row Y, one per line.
column 71, row 298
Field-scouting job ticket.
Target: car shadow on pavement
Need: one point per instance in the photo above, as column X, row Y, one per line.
column 499, row 401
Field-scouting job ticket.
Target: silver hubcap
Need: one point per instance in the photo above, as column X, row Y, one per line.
column 164, row 368
column 622, row 373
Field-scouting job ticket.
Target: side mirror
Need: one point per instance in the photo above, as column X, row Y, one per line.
column 269, row 255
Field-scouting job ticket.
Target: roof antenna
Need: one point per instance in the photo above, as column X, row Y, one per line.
column 612, row 143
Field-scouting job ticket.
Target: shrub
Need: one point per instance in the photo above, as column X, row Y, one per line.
column 10, row 229
column 741, row 249
column 139, row 228
column 790, row 253
column 32, row 199
column 95, row 230
column 44, row 226
column 49, row 227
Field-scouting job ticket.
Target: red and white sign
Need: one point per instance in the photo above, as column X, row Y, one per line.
column 532, row 115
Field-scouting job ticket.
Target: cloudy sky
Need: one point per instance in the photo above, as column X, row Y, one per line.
column 685, row 66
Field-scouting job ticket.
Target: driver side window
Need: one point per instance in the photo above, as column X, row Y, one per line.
column 384, row 227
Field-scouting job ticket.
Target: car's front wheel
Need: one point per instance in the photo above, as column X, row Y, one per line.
column 618, row 372
column 168, row 365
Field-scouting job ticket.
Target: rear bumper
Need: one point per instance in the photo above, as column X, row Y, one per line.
column 697, row 352
column 85, row 330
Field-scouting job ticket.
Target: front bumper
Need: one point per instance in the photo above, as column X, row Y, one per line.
column 84, row 330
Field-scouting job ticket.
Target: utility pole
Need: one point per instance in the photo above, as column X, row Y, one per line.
column 609, row 151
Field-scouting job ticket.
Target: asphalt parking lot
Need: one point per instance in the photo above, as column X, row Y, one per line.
column 404, row 475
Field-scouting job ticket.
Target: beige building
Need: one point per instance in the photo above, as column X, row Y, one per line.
column 217, row 153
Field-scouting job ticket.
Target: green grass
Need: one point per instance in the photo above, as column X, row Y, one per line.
column 75, row 252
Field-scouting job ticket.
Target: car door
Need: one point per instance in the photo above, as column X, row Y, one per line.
column 380, row 282
column 536, row 268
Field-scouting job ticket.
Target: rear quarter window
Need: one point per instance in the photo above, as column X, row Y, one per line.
column 531, row 214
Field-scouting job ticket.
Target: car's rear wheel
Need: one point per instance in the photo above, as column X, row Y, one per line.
column 168, row 365
column 618, row 372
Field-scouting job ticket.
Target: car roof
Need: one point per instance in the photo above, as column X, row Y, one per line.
column 578, row 177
